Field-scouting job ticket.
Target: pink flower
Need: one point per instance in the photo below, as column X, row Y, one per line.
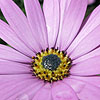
column 59, row 25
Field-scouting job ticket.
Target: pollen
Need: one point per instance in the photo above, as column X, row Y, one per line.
column 51, row 65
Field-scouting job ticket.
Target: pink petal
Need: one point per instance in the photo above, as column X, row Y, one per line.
column 28, row 87
column 89, row 43
column 9, row 36
column 91, row 1
column 92, row 23
column 44, row 93
column 84, row 90
column 8, row 53
column 8, row 67
column 54, row 19
column 37, row 22
column 91, row 54
column 95, row 80
column 30, row 91
column 61, row 91
column 9, row 78
column 88, row 67
column 63, row 8
column 18, row 22
column 52, row 14
column 71, row 23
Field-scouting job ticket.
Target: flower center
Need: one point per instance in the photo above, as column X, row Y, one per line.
column 51, row 62
column 51, row 65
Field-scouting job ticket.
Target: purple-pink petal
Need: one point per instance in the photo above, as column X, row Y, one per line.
column 87, row 67
column 94, row 53
column 30, row 91
column 44, row 93
column 71, row 23
column 52, row 19
column 95, row 80
column 9, row 36
column 92, row 23
column 37, row 22
column 89, row 43
column 62, row 91
column 91, row 1
column 14, row 89
column 84, row 90
column 7, row 78
column 10, row 54
column 9, row 67
column 18, row 22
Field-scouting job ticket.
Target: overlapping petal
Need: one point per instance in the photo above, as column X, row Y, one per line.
column 92, row 23
column 44, row 93
column 52, row 19
column 95, row 80
column 88, row 44
column 87, row 67
column 18, row 22
column 37, row 22
column 84, row 90
column 7, row 78
column 8, row 53
column 94, row 53
column 71, row 23
column 13, row 90
column 9, row 36
column 62, row 91
column 9, row 67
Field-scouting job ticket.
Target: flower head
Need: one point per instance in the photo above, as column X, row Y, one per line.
column 54, row 53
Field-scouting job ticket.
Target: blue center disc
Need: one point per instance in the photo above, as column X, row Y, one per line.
column 51, row 62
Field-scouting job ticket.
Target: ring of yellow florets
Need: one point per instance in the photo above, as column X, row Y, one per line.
column 47, row 74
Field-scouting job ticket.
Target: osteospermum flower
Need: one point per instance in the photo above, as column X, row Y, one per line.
column 54, row 54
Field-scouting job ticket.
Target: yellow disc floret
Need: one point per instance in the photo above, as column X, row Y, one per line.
column 51, row 65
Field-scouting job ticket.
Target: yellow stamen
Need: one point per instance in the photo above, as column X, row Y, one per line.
column 59, row 73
